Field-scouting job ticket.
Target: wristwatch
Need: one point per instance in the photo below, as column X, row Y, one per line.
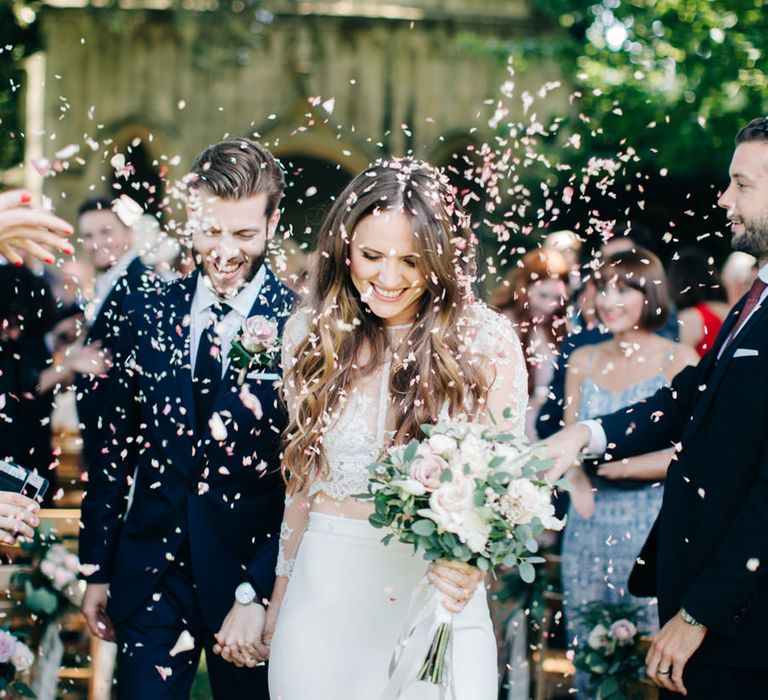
column 687, row 617
column 245, row 593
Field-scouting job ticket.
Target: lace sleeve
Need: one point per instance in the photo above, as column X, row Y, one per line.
column 497, row 347
column 295, row 519
column 296, row 512
column 296, row 329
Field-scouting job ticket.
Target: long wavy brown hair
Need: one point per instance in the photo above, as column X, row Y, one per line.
column 346, row 342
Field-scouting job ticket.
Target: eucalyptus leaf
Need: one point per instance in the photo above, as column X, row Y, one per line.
column 424, row 527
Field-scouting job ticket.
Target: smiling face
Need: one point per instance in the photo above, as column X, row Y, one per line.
column 620, row 307
column 746, row 198
column 105, row 238
column 384, row 266
column 545, row 297
column 230, row 239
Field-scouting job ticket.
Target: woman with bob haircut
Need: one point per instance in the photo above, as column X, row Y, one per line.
column 388, row 335
column 613, row 505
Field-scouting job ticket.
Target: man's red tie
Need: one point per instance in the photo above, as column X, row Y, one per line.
column 755, row 292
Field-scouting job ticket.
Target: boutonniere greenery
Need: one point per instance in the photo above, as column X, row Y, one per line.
column 256, row 346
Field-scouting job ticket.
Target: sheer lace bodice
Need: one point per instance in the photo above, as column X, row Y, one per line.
column 357, row 434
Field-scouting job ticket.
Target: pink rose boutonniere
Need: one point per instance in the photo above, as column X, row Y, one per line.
column 256, row 346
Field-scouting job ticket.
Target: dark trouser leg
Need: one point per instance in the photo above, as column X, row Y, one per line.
column 718, row 683
column 146, row 638
column 228, row 682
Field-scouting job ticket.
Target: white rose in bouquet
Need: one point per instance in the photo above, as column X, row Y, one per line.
column 513, row 463
column 473, row 531
column 442, row 445
column 450, row 503
column 22, row 658
column 410, row 487
column 598, row 637
column 525, row 501
column 475, row 453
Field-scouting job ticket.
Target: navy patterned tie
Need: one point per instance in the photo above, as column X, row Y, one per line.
column 755, row 292
column 208, row 362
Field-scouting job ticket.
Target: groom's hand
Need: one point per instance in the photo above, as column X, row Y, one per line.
column 565, row 448
column 239, row 639
column 95, row 611
column 670, row 651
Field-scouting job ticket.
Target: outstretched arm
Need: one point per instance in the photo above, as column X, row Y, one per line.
column 24, row 230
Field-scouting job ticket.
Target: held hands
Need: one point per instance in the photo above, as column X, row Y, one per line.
column 456, row 580
column 670, row 651
column 94, row 610
column 18, row 517
column 24, row 230
column 239, row 640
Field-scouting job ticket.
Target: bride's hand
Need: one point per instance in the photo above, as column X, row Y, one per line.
column 456, row 580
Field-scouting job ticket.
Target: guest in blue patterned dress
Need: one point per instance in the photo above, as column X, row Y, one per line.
column 613, row 505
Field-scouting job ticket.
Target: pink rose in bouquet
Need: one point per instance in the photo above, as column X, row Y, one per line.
column 259, row 334
column 427, row 469
column 7, row 646
column 623, row 631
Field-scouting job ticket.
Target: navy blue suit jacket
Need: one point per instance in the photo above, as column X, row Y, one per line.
column 225, row 498
column 91, row 391
column 708, row 550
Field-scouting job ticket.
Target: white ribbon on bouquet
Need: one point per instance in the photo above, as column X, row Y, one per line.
column 425, row 615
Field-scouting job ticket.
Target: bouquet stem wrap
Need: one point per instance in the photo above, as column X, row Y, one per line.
column 421, row 666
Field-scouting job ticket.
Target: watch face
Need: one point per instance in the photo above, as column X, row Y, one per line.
column 245, row 594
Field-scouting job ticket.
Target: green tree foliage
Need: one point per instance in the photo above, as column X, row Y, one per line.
column 675, row 78
column 18, row 39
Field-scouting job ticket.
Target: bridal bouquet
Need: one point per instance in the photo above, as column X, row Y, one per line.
column 16, row 659
column 468, row 493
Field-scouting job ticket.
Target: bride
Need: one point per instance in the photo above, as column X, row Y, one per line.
column 388, row 335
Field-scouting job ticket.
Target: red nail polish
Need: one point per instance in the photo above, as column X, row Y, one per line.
column 18, row 263
column 25, row 198
column 49, row 260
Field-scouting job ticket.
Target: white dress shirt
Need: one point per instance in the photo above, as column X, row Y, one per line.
column 240, row 306
column 598, row 442
column 103, row 284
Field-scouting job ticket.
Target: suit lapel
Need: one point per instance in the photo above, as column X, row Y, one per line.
column 716, row 371
column 129, row 280
column 272, row 303
column 180, row 305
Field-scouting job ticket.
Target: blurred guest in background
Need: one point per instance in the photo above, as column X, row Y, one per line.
column 613, row 505
column 568, row 244
column 626, row 236
column 108, row 247
column 700, row 299
column 738, row 274
column 27, row 313
column 534, row 295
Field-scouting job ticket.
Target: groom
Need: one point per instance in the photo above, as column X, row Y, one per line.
column 707, row 555
column 184, row 503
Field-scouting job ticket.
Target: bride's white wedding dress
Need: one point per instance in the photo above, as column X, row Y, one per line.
column 348, row 594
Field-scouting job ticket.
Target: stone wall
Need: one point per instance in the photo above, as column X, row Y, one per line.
column 400, row 74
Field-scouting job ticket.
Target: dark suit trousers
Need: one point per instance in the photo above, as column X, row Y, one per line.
column 146, row 638
column 718, row 683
